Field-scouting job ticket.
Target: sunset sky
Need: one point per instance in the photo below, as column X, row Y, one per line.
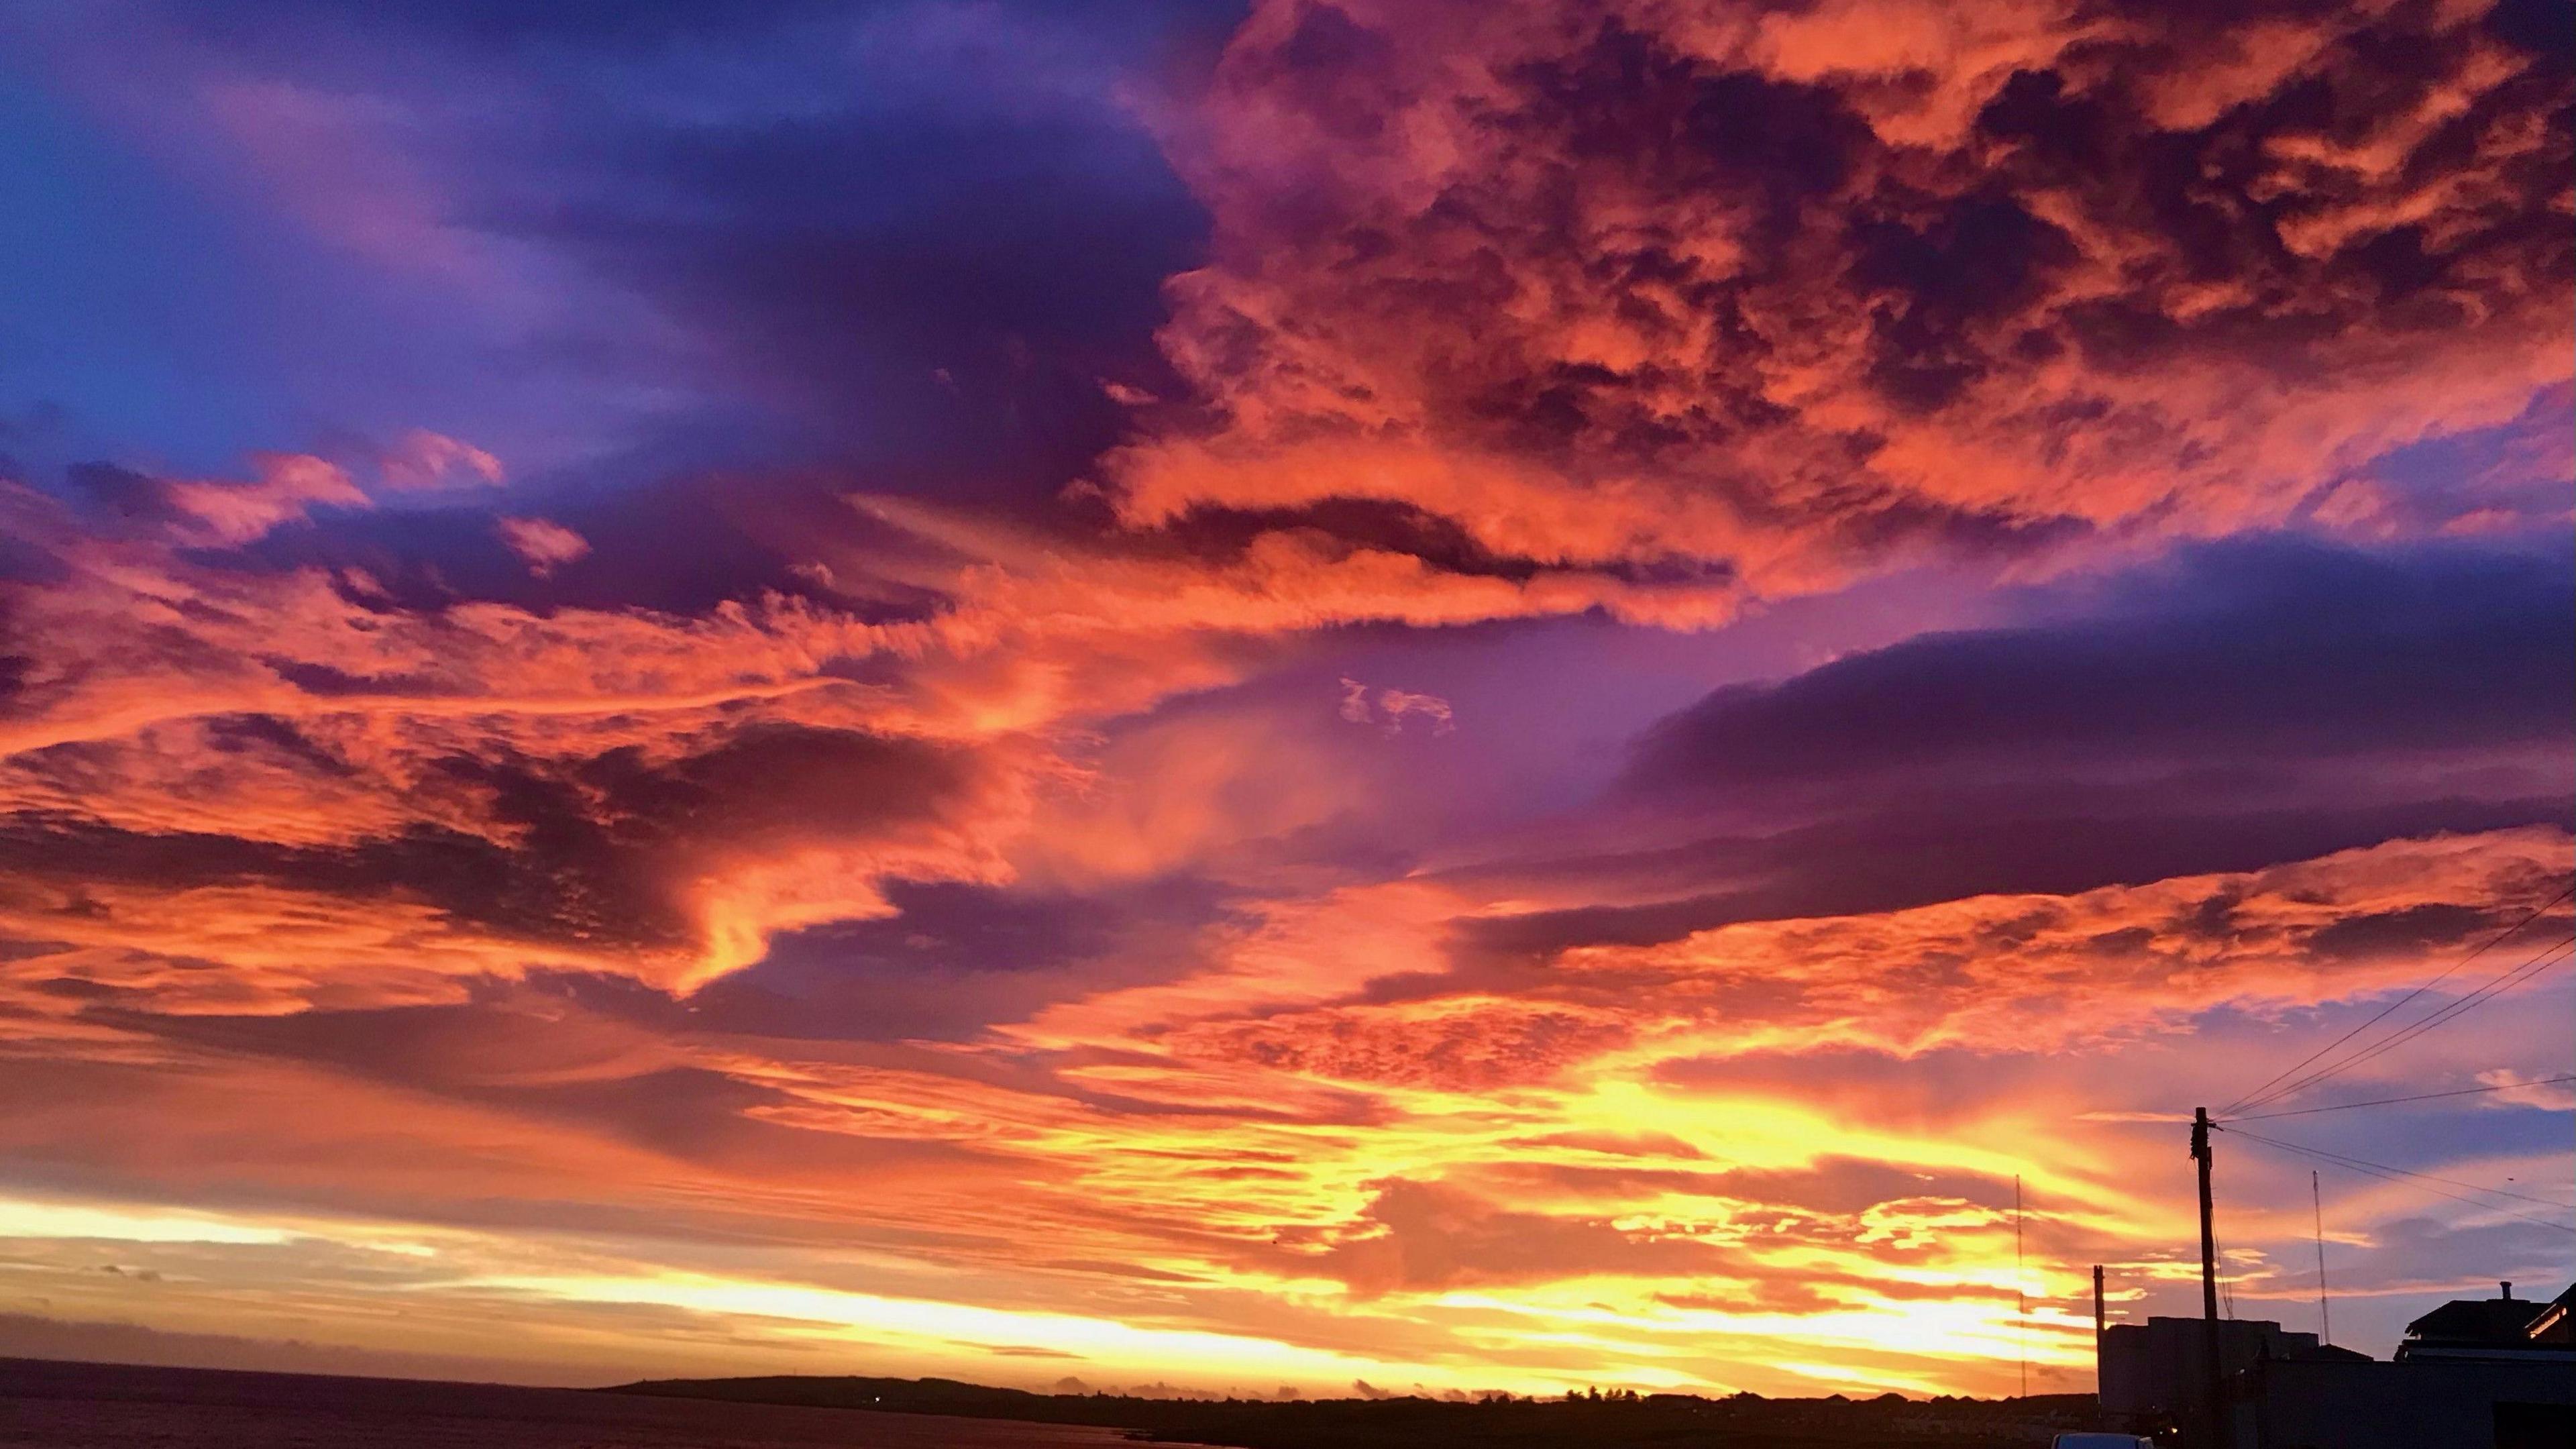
column 1265, row 697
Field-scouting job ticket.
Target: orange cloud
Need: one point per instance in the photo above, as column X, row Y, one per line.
column 509, row 783
column 287, row 487
column 422, row 459
column 1785, row 294
column 545, row 545
column 1425, row 1178
column 1387, row 708
column 756, row 978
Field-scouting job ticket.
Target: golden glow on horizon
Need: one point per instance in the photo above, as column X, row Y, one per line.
column 1102, row 1345
column 1481, row 1222
column 29, row 1218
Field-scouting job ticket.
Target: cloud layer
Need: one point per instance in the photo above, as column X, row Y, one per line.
column 1447, row 694
column 1774, row 293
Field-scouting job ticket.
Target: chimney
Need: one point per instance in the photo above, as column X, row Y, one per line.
column 2507, row 1286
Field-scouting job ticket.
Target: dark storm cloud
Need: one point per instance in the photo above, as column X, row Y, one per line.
column 1352, row 523
column 2257, row 651
column 2245, row 705
column 1902, row 858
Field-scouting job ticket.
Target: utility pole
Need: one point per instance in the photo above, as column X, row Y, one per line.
column 2101, row 1328
column 2209, row 1284
column 2325, row 1315
column 2101, row 1320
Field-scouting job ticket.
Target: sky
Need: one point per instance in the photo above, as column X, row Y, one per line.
column 1289, row 697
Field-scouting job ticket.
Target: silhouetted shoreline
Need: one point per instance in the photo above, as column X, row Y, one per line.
column 67, row 1404
column 1746, row 1420
column 132, row 1406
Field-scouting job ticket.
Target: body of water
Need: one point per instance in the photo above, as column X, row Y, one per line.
column 124, row 1406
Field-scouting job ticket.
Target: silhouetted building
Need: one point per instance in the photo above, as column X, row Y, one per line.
column 2153, row 1373
column 2475, row 1373
column 2502, row 1327
column 2556, row 1325
column 2421, row 1404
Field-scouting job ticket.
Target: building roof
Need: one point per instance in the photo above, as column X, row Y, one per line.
column 2501, row 1322
column 2557, row 1322
column 2475, row 1320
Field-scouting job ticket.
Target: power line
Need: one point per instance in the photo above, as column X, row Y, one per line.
column 2226, row 1285
column 2408, row 1172
column 2493, row 941
column 2395, row 1174
column 2455, row 1197
column 2258, row 1094
column 2392, row 1101
column 2503, row 981
column 2494, row 986
column 2403, row 1033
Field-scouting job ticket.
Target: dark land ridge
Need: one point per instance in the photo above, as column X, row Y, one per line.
column 64, row 1404
column 1612, row 1421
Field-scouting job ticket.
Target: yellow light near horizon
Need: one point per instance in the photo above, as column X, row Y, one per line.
column 1969, row 1329
column 31, row 1218
column 944, row 1326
